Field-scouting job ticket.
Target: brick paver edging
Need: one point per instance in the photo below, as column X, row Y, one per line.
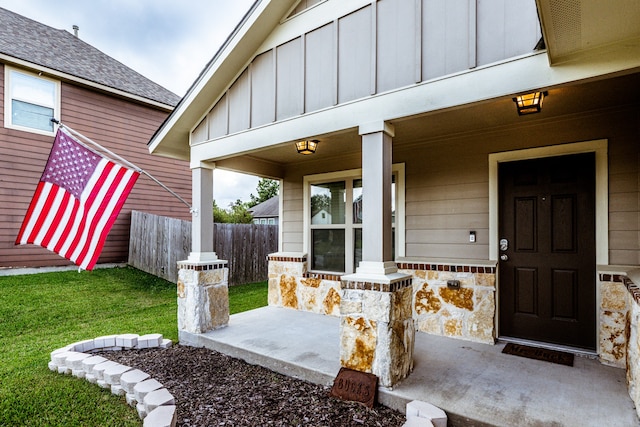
column 155, row 405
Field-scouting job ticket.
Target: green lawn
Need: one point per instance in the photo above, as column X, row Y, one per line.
column 39, row 313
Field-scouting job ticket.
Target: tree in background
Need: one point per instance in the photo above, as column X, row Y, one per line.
column 266, row 189
column 238, row 213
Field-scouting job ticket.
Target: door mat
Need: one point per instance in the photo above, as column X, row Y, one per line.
column 553, row 356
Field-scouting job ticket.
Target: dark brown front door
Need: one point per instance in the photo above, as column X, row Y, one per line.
column 547, row 253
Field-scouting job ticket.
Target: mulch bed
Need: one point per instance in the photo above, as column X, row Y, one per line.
column 212, row 389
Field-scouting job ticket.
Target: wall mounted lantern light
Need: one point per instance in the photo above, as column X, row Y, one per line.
column 529, row 103
column 307, row 146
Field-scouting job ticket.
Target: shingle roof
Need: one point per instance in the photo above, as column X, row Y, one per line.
column 31, row 41
column 268, row 209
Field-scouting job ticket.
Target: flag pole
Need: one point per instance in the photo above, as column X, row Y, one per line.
column 126, row 162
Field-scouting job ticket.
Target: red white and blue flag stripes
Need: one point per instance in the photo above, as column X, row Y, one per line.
column 76, row 202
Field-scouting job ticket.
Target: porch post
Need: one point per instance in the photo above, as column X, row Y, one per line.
column 202, row 220
column 377, row 333
column 203, row 292
column 376, row 198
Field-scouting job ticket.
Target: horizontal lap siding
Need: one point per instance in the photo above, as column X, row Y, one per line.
column 292, row 221
column 624, row 200
column 447, row 193
column 122, row 127
column 447, row 185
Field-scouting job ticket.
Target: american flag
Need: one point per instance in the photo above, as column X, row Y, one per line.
column 76, row 202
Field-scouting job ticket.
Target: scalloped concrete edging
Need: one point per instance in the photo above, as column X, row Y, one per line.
column 155, row 405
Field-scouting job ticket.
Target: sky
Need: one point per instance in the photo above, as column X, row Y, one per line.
column 167, row 41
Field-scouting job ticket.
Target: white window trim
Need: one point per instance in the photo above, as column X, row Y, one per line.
column 398, row 169
column 8, row 97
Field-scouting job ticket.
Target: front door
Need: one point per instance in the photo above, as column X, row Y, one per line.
column 547, row 250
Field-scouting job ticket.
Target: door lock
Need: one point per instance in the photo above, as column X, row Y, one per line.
column 504, row 244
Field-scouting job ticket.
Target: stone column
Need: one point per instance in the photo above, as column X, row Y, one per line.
column 203, row 279
column 203, row 296
column 377, row 332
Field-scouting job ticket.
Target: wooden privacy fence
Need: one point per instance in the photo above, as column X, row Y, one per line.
column 157, row 243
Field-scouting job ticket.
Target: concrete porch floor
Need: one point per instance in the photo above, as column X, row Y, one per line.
column 475, row 384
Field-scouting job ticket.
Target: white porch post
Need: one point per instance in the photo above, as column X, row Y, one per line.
column 376, row 199
column 202, row 217
column 377, row 333
column 203, row 279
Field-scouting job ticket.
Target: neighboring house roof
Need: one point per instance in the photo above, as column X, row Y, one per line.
column 59, row 50
column 268, row 209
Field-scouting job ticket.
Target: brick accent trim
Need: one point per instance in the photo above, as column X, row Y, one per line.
column 201, row 267
column 445, row 267
column 634, row 290
column 373, row 286
column 287, row 259
column 322, row 276
column 620, row 278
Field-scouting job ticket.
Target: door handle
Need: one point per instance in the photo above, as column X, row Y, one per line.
column 504, row 257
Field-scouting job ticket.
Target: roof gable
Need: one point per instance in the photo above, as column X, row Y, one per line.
column 28, row 40
column 234, row 55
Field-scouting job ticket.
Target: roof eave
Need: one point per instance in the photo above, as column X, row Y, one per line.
column 587, row 26
column 11, row 60
column 172, row 138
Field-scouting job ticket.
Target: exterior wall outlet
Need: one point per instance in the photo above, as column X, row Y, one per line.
column 472, row 237
column 453, row 284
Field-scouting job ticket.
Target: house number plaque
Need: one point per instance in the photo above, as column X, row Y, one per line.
column 355, row 386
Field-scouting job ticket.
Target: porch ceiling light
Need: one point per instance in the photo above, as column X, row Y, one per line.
column 307, row 146
column 529, row 103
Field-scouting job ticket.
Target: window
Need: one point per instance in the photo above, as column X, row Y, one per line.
column 30, row 101
column 333, row 219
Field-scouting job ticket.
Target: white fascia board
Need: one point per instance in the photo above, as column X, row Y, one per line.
column 50, row 72
column 493, row 81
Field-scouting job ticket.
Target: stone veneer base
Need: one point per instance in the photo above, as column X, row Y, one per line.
column 467, row 313
column 69, row 360
column 377, row 332
column 620, row 328
column 203, row 296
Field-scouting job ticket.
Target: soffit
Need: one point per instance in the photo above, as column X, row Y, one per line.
column 572, row 27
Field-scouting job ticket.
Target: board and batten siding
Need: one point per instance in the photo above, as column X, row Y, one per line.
column 121, row 126
column 383, row 46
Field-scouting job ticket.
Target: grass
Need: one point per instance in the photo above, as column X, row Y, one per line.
column 42, row 312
